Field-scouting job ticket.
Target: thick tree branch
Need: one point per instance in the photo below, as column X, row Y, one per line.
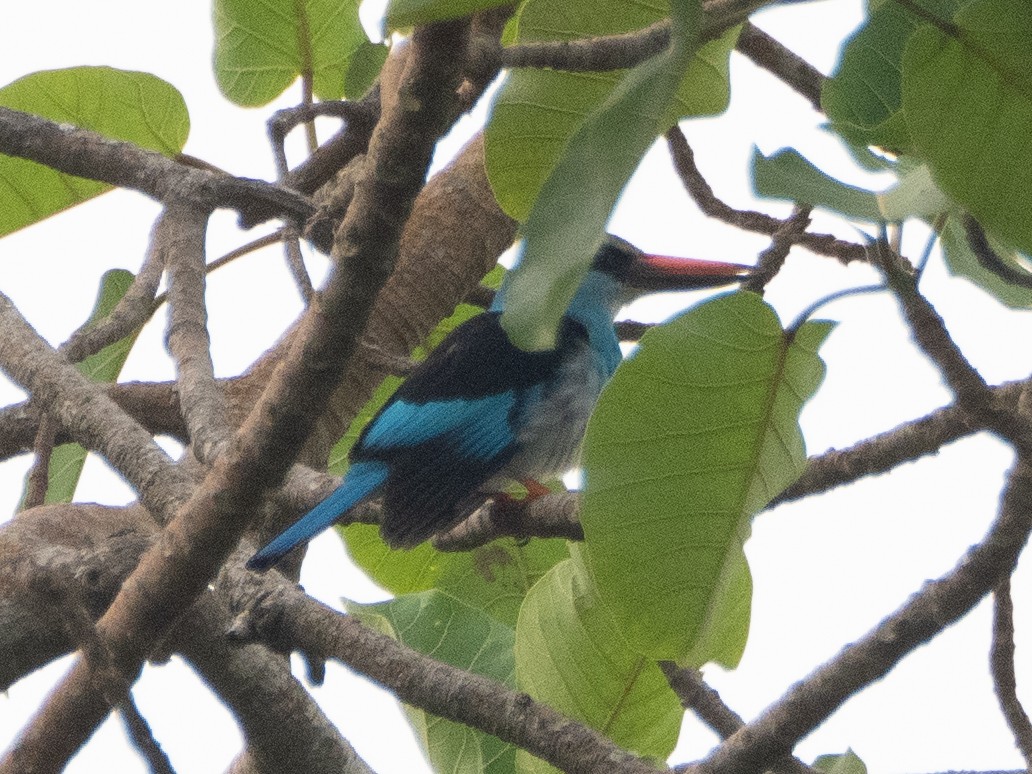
column 284, row 728
column 173, row 574
column 284, row 616
column 92, row 549
column 87, row 154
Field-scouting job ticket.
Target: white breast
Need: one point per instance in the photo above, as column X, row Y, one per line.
column 552, row 428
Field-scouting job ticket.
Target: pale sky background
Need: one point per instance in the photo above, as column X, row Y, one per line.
column 825, row 570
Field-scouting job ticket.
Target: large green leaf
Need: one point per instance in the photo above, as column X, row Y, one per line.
column 961, row 260
column 537, row 111
column 695, row 434
column 863, row 99
column 571, row 654
column 443, row 627
column 66, row 460
column 263, row 47
column 123, row 105
column 409, row 13
column 968, row 102
column 567, row 222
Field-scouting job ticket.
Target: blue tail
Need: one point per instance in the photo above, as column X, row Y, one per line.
column 362, row 479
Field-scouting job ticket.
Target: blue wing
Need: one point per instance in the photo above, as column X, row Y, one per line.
column 452, row 425
column 361, row 480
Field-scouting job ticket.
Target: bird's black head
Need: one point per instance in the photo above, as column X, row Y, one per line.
column 635, row 269
column 615, row 257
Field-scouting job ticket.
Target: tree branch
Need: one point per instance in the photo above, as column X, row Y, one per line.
column 179, row 235
column 1001, row 666
column 926, row 614
column 174, row 573
column 764, row 51
column 92, row 549
column 281, row 614
column 700, row 698
column 83, row 153
column 83, row 408
column 750, row 220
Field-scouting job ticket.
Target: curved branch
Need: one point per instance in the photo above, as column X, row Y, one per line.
column 83, row 153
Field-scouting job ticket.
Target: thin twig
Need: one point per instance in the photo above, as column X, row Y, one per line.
column 142, row 737
column 773, row 258
column 39, row 477
column 988, row 258
column 1001, row 665
column 296, row 264
column 131, row 312
column 929, row 331
column 704, row 701
column 750, row 220
column 764, row 51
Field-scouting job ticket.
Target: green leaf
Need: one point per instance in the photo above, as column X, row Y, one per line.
column 402, row 14
column 450, row 631
column 494, row 578
column 968, row 102
column 787, row 175
column 567, row 222
column 537, row 111
column 961, row 261
column 846, row 763
column 363, row 68
column 262, row 48
column 694, row 435
column 66, row 460
column 571, row 654
column 863, row 99
column 123, row 105
column 915, row 196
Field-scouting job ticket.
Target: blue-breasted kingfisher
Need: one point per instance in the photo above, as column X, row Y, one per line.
column 479, row 412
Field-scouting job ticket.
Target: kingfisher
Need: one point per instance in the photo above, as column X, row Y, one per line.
column 479, row 412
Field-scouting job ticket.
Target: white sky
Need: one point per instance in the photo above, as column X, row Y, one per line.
column 825, row 570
